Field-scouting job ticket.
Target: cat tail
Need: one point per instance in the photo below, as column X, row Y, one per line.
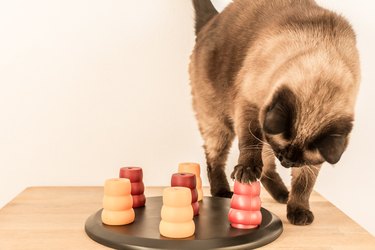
column 204, row 11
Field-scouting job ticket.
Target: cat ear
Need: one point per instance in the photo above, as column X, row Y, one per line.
column 332, row 147
column 276, row 120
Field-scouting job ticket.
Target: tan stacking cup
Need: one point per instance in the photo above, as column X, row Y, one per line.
column 177, row 213
column 117, row 187
column 194, row 168
column 189, row 167
column 172, row 230
column 117, row 202
column 118, row 218
column 177, row 196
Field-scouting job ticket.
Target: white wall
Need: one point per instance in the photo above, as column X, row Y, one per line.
column 89, row 86
column 350, row 185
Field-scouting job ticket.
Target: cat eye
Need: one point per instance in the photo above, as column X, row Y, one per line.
column 281, row 113
column 276, row 120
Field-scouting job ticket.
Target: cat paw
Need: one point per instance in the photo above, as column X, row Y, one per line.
column 222, row 193
column 299, row 216
column 246, row 174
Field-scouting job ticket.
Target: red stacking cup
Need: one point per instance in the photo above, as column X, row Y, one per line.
column 245, row 206
column 187, row 180
column 243, row 202
column 243, row 219
column 183, row 180
column 135, row 175
column 137, row 188
column 252, row 189
column 139, row 200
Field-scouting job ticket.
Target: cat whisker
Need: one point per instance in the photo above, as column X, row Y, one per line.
column 254, row 146
column 312, row 168
column 265, row 175
column 270, row 153
column 249, row 128
column 267, row 145
column 306, row 176
column 310, row 171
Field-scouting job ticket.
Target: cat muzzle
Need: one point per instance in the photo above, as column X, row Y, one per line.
column 286, row 163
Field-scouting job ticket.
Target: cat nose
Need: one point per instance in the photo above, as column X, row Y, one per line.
column 286, row 163
column 280, row 157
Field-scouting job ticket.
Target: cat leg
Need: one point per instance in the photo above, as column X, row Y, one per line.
column 270, row 179
column 298, row 208
column 218, row 137
column 248, row 130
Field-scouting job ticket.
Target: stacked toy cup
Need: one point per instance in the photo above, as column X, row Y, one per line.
column 135, row 175
column 193, row 168
column 117, row 202
column 177, row 213
column 245, row 206
column 187, row 180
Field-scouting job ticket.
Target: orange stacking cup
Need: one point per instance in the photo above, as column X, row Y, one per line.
column 177, row 213
column 117, row 202
column 177, row 196
column 194, row 168
column 189, row 167
column 117, row 187
column 177, row 230
column 200, row 194
column 118, row 218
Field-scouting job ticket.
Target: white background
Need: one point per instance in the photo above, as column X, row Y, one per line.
column 89, row 86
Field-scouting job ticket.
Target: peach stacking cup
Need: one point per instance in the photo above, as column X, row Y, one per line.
column 177, row 213
column 194, row 168
column 117, row 202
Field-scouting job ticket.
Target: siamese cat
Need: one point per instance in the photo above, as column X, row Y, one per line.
column 283, row 77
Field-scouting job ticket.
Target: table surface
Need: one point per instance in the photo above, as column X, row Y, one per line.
column 54, row 218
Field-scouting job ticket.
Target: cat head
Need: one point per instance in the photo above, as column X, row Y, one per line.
column 307, row 129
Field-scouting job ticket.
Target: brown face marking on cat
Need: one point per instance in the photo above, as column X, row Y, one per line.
column 294, row 144
column 278, row 140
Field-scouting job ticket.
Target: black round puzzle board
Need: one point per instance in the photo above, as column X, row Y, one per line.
column 212, row 229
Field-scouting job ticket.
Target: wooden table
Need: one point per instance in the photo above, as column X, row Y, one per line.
column 54, row 218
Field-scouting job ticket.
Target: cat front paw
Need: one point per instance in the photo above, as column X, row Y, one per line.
column 246, row 174
column 299, row 216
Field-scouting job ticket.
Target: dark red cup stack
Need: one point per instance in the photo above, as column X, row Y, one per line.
column 135, row 175
column 187, row 180
column 245, row 206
